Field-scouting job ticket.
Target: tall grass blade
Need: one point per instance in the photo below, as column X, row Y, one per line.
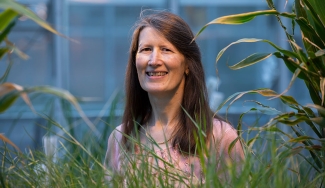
column 6, row 140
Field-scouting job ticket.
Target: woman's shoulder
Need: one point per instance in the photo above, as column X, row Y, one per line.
column 223, row 131
column 221, row 127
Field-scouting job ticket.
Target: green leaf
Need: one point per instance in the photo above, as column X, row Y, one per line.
column 265, row 92
column 301, row 139
column 310, row 33
column 3, row 51
column 6, row 31
column 319, row 7
column 320, row 109
column 9, row 4
column 232, row 145
column 314, row 94
column 246, row 40
column 314, row 19
column 250, row 60
column 7, row 100
column 242, row 18
column 6, row 18
column 292, row 65
column 9, row 92
column 319, row 120
column 298, row 50
column 289, row 100
column 251, row 142
column 265, row 109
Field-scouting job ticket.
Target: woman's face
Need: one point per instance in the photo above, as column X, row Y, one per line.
column 160, row 66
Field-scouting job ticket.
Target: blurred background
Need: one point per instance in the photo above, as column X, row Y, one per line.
column 93, row 68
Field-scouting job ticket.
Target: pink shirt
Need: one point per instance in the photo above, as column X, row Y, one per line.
column 189, row 165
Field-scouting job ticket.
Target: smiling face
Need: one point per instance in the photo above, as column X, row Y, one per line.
column 160, row 66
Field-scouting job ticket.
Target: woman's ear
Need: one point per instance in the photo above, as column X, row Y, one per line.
column 187, row 71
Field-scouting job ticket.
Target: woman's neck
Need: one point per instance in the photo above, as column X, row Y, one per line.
column 165, row 109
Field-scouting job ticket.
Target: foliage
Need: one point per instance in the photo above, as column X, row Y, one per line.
column 82, row 167
column 10, row 92
column 275, row 158
column 307, row 64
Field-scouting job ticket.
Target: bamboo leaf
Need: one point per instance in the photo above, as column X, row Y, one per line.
column 9, row 92
column 314, row 19
column 265, row 92
column 309, row 32
column 319, row 8
column 7, row 100
column 248, row 40
column 6, row 18
column 250, row 60
column 5, row 32
column 242, row 18
column 289, row 100
column 9, row 4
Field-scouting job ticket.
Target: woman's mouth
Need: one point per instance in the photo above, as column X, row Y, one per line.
column 156, row 73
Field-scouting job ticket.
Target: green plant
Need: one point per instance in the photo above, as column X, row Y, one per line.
column 13, row 158
column 9, row 92
column 307, row 64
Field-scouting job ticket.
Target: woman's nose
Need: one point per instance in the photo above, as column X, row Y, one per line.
column 155, row 58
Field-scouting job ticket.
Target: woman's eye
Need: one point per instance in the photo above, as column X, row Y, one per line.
column 145, row 50
column 166, row 49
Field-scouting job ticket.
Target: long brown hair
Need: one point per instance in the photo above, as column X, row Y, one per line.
column 195, row 100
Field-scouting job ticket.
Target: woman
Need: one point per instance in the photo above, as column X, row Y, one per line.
column 167, row 107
